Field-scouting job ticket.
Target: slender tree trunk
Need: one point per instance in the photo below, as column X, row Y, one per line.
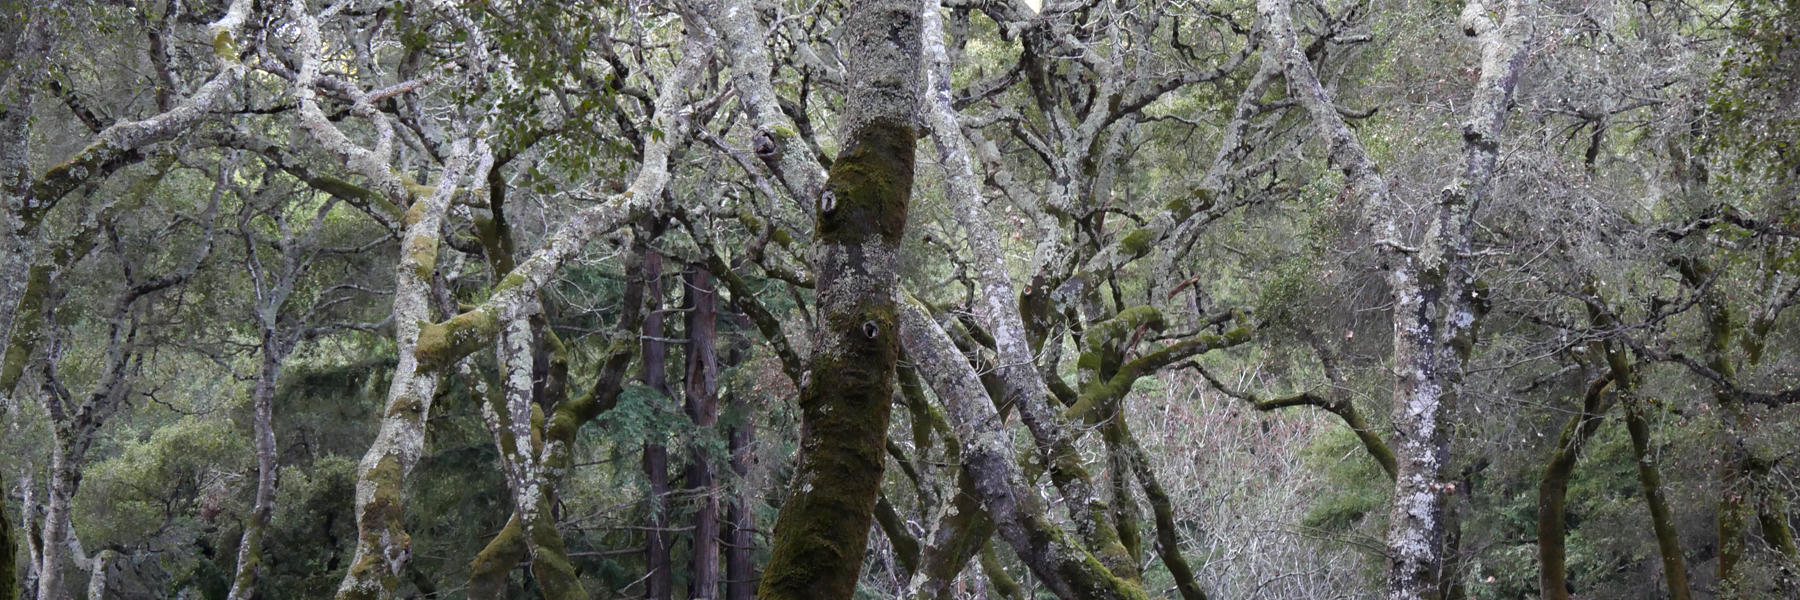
column 1662, row 519
column 65, row 479
column 740, row 543
column 1168, row 543
column 249, row 555
column 1553, row 489
column 740, row 521
column 659, row 584
column 846, row 397
column 703, row 409
column 1771, row 513
column 1736, row 485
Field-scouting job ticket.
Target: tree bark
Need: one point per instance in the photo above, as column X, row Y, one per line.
column 740, row 522
column 659, row 583
column 822, row 532
column 703, row 409
column 1064, row 567
column 493, row 566
column 999, row 310
column 1434, row 323
column 1662, row 519
column 64, row 479
column 1553, row 488
column 249, row 555
column 1168, row 541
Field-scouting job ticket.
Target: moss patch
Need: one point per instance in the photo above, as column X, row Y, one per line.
column 872, row 180
column 442, row 344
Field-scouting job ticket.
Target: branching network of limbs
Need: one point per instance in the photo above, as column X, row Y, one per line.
column 770, row 162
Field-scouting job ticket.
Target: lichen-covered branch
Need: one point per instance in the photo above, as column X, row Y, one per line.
column 1060, row 563
column 999, row 310
column 382, row 544
column 442, row 344
column 776, row 141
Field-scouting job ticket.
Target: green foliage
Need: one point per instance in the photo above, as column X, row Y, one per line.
column 1752, row 104
column 1357, row 490
column 180, row 476
column 307, row 544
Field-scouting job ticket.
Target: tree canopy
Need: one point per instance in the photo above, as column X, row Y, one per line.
column 924, row 299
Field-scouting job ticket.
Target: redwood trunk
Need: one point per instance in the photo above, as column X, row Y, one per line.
column 703, row 409
column 658, row 585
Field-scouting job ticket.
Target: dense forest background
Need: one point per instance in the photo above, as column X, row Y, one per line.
column 831, row 299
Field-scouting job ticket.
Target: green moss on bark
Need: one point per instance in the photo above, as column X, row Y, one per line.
column 821, row 533
column 381, row 528
column 871, row 183
column 488, row 572
column 1137, row 243
column 442, row 344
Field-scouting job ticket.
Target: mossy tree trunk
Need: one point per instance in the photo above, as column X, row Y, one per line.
column 845, row 401
column 1662, row 518
column 76, row 419
column 29, row 41
column 1168, row 540
column 1553, row 489
column 383, row 546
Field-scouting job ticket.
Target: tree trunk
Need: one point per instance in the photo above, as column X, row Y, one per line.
column 845, row 401
column 703, row 409
column 1553, row 488
column 740, row 543
column 98, row 570
column 1434, row 324
column 659, row 583
column 64, row 480
column 1168, row 543
column 249, row 555
column 1662, row 519
column 382, row 545
column 1736, row 483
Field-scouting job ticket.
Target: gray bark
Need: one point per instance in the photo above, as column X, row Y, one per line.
column 822, row 531
column 1059, row 562
column 999, row 310
column 1434, row 324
